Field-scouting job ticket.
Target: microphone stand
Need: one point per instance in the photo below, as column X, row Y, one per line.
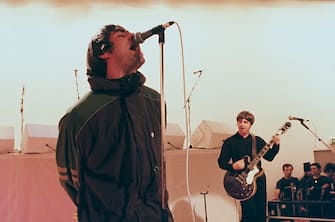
column 22, row 110
column 188, row 108
column 205, row 202
column 319, row 139
column 165, row 215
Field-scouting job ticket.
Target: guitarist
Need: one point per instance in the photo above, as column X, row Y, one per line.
column 232, row 158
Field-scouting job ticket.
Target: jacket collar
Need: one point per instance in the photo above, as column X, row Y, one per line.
column 123, row 86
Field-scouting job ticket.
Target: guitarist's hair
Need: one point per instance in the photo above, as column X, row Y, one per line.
column 246, row 115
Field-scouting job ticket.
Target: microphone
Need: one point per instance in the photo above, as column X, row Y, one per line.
column 140, row 37
column 296, row 118
column 198, row 71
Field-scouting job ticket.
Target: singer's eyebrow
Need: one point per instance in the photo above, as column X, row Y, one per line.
column 120, row 29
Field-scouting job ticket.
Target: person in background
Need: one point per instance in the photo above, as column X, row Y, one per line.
column 302, row 193
column 109, row 145
column 286, row 187
column 286, row 190
column 234, row 149
column 303, row 190
column 318, row 187
column 329, row 170
column 317, row 184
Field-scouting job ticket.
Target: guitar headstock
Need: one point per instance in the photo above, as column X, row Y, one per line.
column 284, row 128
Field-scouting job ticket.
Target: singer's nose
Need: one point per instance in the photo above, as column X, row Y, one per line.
column 133, row 43
column 132, row 37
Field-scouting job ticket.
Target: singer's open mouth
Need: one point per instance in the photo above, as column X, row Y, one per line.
column 133, row 46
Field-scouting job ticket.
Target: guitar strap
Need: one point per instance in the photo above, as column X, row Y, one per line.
column 254, row 147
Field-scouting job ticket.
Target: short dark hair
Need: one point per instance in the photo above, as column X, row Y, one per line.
column 286, row 165
column 307, row 166
column 246, row 115
column 99, row 44
column 329, row 167
column 318, row 165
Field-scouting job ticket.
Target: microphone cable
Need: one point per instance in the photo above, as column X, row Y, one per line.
column 51, row 149
column 187, row 143
column 77, row 86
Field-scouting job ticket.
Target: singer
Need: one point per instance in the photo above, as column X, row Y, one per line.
column 108, row 149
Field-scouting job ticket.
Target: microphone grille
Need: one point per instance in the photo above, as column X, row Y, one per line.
column 138, row 38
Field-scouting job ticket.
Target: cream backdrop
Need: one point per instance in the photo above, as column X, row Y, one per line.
column 274, row 60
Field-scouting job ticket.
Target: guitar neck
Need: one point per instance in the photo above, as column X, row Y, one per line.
column 267, row 147
column 259, row 156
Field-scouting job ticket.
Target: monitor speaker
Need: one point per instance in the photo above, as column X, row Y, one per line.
column 39, row 138
column 6, row 139
column 210, row 134
column 174, row 136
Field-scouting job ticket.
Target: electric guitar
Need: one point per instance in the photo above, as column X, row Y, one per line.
column 241, row 185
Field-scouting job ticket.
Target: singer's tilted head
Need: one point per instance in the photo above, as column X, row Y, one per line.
column 113, row 54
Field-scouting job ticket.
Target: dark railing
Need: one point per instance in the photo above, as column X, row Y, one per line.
column 309, row 210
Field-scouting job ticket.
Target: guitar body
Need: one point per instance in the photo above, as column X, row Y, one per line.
column 240, row 185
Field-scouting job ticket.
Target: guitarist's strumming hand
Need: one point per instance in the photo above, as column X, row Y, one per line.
column 239, row 165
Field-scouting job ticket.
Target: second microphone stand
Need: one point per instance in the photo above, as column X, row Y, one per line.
column 188, row 108
column 22, row 111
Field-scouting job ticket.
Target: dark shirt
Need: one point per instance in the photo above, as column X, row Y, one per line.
column 303, row 180
column 332, row 188
column 237, row 147
column 303, row 187
column 109, row 150
column 288, row 188
column 315, row 188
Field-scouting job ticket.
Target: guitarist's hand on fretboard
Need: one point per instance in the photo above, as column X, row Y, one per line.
column 276, row 139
